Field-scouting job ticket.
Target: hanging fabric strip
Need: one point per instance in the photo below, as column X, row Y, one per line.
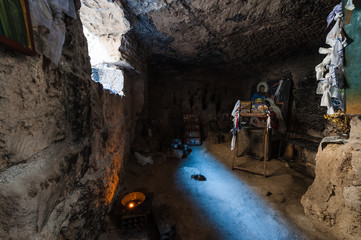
column 322, row 87
column 335, row 32
column 321, row 68
column 233, row 142
column 330, row 110
column 332, row 64
column 279, row 89
column 269, row 122
column 326, row 99
column 337, row 54
column 235, row 115
column 235, row 109
column 333, row 75
column 332, row 14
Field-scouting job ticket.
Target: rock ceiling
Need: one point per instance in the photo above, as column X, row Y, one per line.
column 212, row 32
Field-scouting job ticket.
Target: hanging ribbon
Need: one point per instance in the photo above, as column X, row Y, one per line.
column 279, row 89
column 268, row 120
column 336, row 10
column 233, row 142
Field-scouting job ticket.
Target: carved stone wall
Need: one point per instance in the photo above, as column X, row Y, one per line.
column 334, row 197
column 63, row 140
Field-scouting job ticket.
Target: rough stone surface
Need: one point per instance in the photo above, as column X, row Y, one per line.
column 105, row 21
column 216, row 32
column 63, row 140
column 334, row 197
column 205, row 55
column 210, row 93
column 205, row 93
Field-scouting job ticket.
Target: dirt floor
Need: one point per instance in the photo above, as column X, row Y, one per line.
column 229, row 204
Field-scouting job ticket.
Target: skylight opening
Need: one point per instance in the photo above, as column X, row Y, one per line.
column 104, row 25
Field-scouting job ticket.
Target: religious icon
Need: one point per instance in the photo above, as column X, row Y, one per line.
column 15, row 25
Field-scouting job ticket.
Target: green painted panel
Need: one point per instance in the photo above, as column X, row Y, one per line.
column 353, row 59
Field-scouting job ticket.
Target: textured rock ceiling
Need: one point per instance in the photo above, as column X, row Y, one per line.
column 212, row 32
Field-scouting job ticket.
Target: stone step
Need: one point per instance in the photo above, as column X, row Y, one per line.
column 299, row 154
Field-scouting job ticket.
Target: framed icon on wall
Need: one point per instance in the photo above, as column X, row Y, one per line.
column 15, row 26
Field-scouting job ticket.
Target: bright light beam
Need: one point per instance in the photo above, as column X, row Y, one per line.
column 233, row 209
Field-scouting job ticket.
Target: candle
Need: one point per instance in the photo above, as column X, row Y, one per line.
column 132, row 200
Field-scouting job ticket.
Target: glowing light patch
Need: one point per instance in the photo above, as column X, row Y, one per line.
column 233, row 209
column 110, row 77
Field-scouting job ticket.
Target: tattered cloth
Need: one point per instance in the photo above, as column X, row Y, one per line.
column 331, row 139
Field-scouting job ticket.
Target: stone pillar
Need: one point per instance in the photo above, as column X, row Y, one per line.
column 335, row 195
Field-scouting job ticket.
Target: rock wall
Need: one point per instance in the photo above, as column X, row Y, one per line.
column 217, row 32
column 207, row 93
column 63, row 140
column 335, row 195
column 213, row 92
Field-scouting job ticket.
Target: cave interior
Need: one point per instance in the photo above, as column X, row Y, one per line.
column 114, row 97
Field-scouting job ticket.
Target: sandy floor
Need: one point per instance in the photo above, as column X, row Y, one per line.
column 229, row 204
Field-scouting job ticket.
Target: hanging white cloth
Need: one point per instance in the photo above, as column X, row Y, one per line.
column 333, row 62
column 56, row 38
column 322, row 67
column 279, row 89
column 235, row 115
column 269, row 122
column 333, row 75
column 322, row 86
column 40, row 13
column 235, row 109
column 233, row 142
column 335, row 32
column 337, row 54
column 330, row 110
column 67, row 6
column 326, row 98
column 277, row 111
column 320, row 70
column 322, row 50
